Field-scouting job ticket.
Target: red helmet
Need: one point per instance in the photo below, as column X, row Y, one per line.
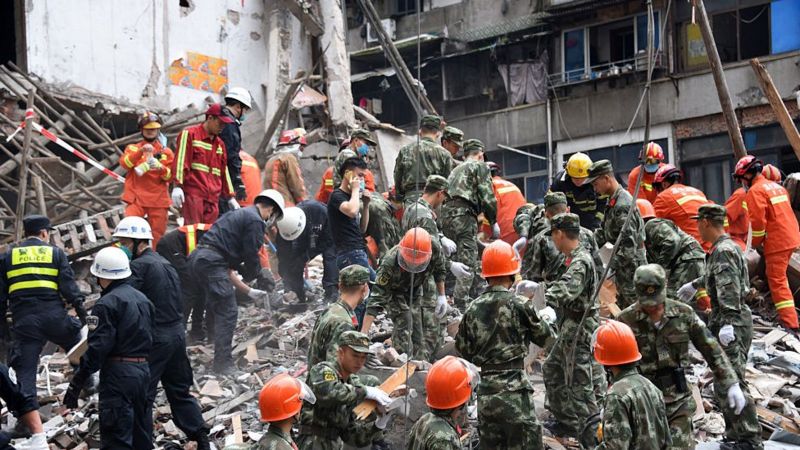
column 149, row 120
column 747, row 164
column 494, row 168
column 666, row 172
column 653, row 154
column 771, row 173
column 294, row 136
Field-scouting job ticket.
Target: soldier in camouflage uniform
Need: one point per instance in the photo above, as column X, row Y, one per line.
column 664, row 328
column 634, row 416
column 567, row 372
column 631, row 252
column 470, row 193
column 415, row 162
column 360, row 143
column 383, row 226
column 280, row 402
column 728, row 283
column 339, row 317
column 453, row 141
column 494, row 334
column 330, row 421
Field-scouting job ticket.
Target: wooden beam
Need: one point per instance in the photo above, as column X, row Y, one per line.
column 306, row 15
column 777, row 104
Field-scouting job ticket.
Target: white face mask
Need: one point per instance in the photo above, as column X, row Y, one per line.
column 366, row 296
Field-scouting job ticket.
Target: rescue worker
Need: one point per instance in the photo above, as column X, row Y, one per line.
column 679, row 254
column 280, row 402
column 34, row 277
column 653, row 160
column 581, row 198
column 155, row 277
column 359, row 145
column 663, row 329
column 149, row 166
column 237, row 103
column 634, row 416
column 448, row 388
column 631, row 253
column 201, row 169
column 509, row 199
column 282, row 171
column 494, row 334
column 469, row 190
column 233, row 242
column 304, row 233
column 415, row 162
column 251, row 178
column 775, row 232
column 678, row 202
column 738, row 223
column 528, row 222
column 26, row 409
column 728, row 284
column 339, row 316
column 383, row 230
column 453, row 141
column 329, row 422
column 568, row 374
column 120, row 339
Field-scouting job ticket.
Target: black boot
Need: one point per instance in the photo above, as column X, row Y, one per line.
column 202, row 440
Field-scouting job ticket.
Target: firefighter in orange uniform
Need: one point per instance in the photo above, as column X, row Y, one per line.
column 775, row 230
column 282, row 171
column 509, row 199
column 653, row 160
column 149, row 166
column 678, row 202
column 201, row 169
column 736, row 206
column 251, row 177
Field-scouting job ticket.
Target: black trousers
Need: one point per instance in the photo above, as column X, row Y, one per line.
column 124, row 422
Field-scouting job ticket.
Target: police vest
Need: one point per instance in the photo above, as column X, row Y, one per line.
column 190, row 231
column 32, row 271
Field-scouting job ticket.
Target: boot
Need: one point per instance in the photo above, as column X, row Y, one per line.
column 202, row 440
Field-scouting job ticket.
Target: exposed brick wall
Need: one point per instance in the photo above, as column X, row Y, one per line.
column 756, row 116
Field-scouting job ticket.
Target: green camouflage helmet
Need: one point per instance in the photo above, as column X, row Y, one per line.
column 651, row 284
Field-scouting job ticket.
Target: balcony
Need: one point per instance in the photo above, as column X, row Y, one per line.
column 604, row 71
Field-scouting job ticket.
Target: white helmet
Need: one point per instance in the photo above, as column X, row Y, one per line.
column 241, row 95
column 292, row 224
column 133, row 227
column 276, row 197
column 111, row 263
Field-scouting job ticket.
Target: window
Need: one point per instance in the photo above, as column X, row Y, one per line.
column 529, row 174
column 406, row 7
column 574, row 57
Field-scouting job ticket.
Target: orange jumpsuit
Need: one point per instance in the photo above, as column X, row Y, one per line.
column 326, row 186
column 775, row 226
column 148, row 195
column 738, row 221
column 679, row 203
column 509, row 199
column 646, row 190
column 282, row 173
column 251, row 177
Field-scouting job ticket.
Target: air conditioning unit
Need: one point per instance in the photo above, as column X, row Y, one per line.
column 389, row 26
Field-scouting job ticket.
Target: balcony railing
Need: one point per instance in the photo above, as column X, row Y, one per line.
column 605, row 70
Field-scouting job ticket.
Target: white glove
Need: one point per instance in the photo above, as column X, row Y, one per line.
column 153, row 162
column 686, row 292
column 495, row 231
column 233, row 203
column 441, row 306
column 140, row 170
column 374, row 393
column 448, row 246
column 527, row 288
column 256, row 294
column 520, row 244
column 459, row 270
column 726, row 335
column 736, row 400
column 177, row 196
column 36, row 442
column 548, row 314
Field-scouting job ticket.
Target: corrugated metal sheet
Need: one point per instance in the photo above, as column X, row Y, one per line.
column 510, row 26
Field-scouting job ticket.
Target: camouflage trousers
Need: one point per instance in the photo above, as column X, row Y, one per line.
column 461, row 226
column 507, row 420
column 417, row 331
column 625, row 264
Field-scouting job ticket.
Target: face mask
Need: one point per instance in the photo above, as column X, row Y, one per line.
column 362, row 150
column 363, row 185
column 366, row 296
column 241, row 118
column 650, row 168
column 126, row 250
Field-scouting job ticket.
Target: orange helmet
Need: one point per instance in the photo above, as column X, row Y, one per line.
column 499, row 259
column 771, row 173
column 646, row 209
column 653, row 154
column 293, row 136
column 282, row 397
column 614, row 344
column 415, row 250
column 449, row 383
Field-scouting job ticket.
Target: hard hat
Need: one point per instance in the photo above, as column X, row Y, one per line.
column 578, row 165
column 133, row 227
column 292, row 223
column 653, row 154
column 450, row 382
column 282, row 397
column 615, row 344
column 494, row 168
column 771, row 173
column 646, row 209
column 149, row 121
column 111, row 263
column 665, row 172
column 415, row 250
column 276, row 197
column 293, row 136
column 746, row 164
column 499, row 259
column 241, row 95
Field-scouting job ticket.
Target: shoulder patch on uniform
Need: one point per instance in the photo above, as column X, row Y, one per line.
column 328, row 375
column 383, row 280
column 92, row 322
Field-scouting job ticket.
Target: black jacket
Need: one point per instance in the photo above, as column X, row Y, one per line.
column 231, row 135
column 238, row 236
column 155, row 277
column 582, row 200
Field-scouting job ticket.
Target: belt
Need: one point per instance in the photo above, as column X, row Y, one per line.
column 516, row 364
column 127, row 359
column 319, row 431
column 212, row 247
column 459, row 202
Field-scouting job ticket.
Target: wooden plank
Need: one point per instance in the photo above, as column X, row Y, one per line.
column 777, row 420
column 777, row 104
column 237, row 429
column 397, row 379
column 773, row 336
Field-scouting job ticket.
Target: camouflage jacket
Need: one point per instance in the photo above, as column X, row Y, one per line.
column 572, row 294
column 634, row 416
column 496, row 329
column 472, row 181
column 392, row 281
column 414, row 163
column 727, row 283
column 529, row 221
column 434, row 432
column 275, row 439
column 542, row 261
column 631, row 248
column 337, row 319
column 420, row 214
column 382, row 226
column 667, row 348
column 666, row 244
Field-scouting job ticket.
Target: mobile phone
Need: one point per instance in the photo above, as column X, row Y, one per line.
column 348, row 175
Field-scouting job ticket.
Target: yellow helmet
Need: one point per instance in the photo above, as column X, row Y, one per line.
column 578, row 165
